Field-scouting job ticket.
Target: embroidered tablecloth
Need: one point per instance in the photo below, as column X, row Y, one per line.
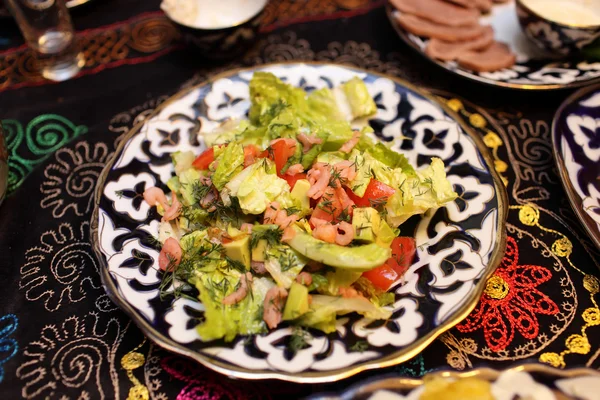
column 60, row 335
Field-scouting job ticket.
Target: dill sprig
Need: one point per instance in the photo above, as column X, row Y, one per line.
column 272, row 236
column 359, row 346
column 299, row 339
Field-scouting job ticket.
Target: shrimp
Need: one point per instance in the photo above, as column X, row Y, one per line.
column 284, row 220
column 242, row 291
column 316, row 222
column 349, row 145
column 344, row 234
column 271, row 212
column 304, row 278
column 154, row 196
column 170, row 255
column 308, row 141
column 258, row 267
column 246, row 227
column 295, row 169
column 348, row 292
column 208, row 201
column 288, row 234
column 326, row 233
column 319, row 186
column 274, row 215
column 346, row 170
column 173, row 211
column 272, row 306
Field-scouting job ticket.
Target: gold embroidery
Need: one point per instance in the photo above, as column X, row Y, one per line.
column 130, row 362
column 556, row 360
column 490, row 138
column 477, row 121
column 529, row 214
column 496, row 288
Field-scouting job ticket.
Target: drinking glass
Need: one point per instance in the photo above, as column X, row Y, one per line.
column 3, row 165
column 47, row 28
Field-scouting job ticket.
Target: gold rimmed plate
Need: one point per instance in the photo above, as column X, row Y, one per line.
column 576, row 146
column 459, row 246
column 535, row 69
column 519, row 381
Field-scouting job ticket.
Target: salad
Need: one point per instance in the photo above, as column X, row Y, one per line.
column 292, row 215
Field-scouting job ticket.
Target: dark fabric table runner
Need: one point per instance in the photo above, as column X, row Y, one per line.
column 62, row 338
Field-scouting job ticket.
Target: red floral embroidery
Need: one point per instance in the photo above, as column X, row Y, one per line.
column 203, row 384
column 510, row 301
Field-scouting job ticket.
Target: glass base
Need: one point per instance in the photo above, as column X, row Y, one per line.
column 63, row 70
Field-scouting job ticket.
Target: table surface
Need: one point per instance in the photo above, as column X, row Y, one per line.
column 61, row 337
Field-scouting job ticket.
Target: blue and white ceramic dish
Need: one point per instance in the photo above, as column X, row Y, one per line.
column 535, row 69
column 525, row 381
column 576, row 137
column 459, row 246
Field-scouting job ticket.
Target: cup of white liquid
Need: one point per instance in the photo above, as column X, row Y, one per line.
column 219, row 28
column 563, row 27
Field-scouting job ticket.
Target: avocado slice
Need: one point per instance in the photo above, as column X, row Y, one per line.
column 300, row 195
column 258, row 252
column 358, row 258
column 187, row 179
column 297, row 302
column 365, row 221
column 385, row 234
column 239, row 250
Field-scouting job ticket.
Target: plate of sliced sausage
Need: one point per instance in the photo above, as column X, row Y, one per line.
column 483, row 41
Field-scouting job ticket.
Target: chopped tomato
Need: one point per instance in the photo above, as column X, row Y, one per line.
column 320, row 214
column 292, row 179
column 403, row 254
column 376, row 192
column 204, row 159
column 250, row 154
column 282, row 150
column 382, row 277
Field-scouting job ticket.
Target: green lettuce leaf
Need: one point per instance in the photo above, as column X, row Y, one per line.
column 229, row 163
column 324, row 309
column 257, row 186
column 428, row 189
column 357, row 95
column 269, row 96
column 338, row 278
column 228, row 321
column 284, row 264
column 323, row 106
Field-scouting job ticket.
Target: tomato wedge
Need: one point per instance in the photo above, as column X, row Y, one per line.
column 251, row 152
column 280, row 151
column 204, row 159
column 292, row 179
column 376, row 192
column 403, row 254
column 382, row 277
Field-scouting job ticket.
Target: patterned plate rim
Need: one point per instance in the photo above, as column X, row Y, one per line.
column 305, row 377
column 465, row 74
column 486, row 373
column 572, row 195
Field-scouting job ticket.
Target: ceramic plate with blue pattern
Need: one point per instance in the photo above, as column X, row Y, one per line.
column 535, row 69
column 576, row 137
column 459, row 246
column 524, row 381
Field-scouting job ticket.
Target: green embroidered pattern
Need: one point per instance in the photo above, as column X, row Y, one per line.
column 414, row 368
column 42, row 136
